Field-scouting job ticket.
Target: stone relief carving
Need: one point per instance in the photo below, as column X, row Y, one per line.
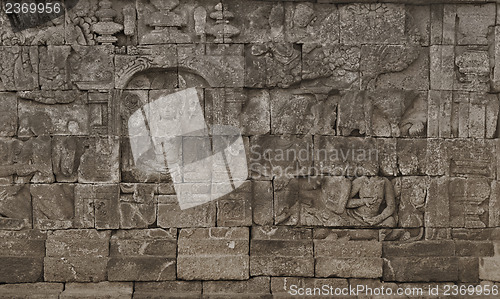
column 337, row 201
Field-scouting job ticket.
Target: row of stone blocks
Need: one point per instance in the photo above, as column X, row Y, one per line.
column 225, row 253
column 256, row 287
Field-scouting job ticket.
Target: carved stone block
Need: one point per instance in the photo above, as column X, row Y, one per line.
column 8, row 114
column 303, row 112
column 19, row 68
column 97, row 206
column 258, row 21
column 387, row 113
column 272, row 65
column 15, row 207
column 458, row 202
column 220, row 65
column 372, row 24
column 395, row 67
column 235, row 208
column 170, row 214
column 281, row 156
column 330, row 66
column 460, row 25
column 246, row 109
column 100, row 161
column 137, row 205
column 412, row 195
column 311, row 23
column 28, row 161
column 58, row 113
column 92, row 67
column 53, row 206
column 53, row 67
column 346, row 156
column 79, row 22
column 217, row 253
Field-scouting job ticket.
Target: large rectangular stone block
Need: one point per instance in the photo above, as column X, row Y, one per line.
column 77, row 256
column 286, row 287
column 255, row 287
column 168, row 289
column 53, row 205
column 406, row 269
column 137, row 206
column 213, row 254
column 335, row 258
column 170, row 214
column 445, row 248
column 281, row 251
column 111, row 290
column 143, row 255
column 31, row 290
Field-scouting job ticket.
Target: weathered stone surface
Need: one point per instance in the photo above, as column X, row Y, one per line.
column 28, row 161
column 372, row 24
column 458, row 202
column 100, row 161
column 97, row 206
column 461, row 68
column 245, row 109
column 303, row 112
column 345, row 234
column 168, row 289
column 220, row 65
column 213, row 254
column 53, row 206
column 8, row 114
column 92, row 67
column 77, row 256
column 330, row 66
column 344, row 156
column 421, row 269
column 138, row 205
column 170, row 214
column 412, row 195
column 474, row 248
column 387, row 113
column 235, row 208
column 31, row 290
column 272, row 65
column 255, row 287
column 19, row 68
column 311, row 23
column 281, row 287
column 281, row 251
column 348, row 258
column 395, row 67
column 280, row 156
column 15, row 207
column 489, row 268
column 66, row 154
column 258, row 21
column 54, row 67
column 21, row 256
column 143, row 255
column 443, row 248
column 79, row 21
column 112, row 290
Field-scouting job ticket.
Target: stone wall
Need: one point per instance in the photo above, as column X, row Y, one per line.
column 391, row 107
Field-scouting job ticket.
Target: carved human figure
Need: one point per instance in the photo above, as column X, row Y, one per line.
column 368, row 195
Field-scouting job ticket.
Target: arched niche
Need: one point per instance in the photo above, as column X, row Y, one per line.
column 142, row 87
